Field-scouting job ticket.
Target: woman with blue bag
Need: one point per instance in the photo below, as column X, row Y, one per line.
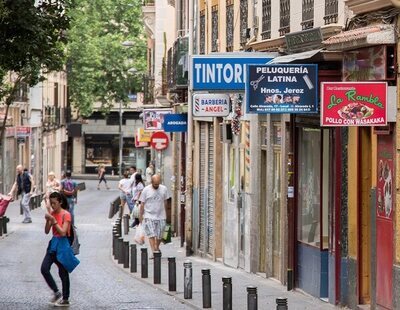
column 59, row 250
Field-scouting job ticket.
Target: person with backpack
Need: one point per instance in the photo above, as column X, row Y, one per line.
column 59, row 250
column 25, row 185
column 69, row 188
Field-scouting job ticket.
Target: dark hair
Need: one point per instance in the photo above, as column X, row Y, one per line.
column 138, row 179
column 61, row 199
column 126, row 174
column 133, row 167
column 68, row 174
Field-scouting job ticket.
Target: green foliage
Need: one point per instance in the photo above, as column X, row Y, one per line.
column 97, row 61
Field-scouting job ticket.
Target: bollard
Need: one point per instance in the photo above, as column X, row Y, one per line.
column 144, row 263
column 157, row 268
column 120, row 250
column 5, row 221
column 281, row 303
column 116, row 246
column 1, row 226
column 206, row 283
column 133, row 258
column 114, row 243
column 118, row 224
column 126, row 254
column 252, row 302
column 126, row 224
column 187, row 282
column 227, row 293
column 171, row 274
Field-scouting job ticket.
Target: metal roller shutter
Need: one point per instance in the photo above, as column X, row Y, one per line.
column 202, row 192
column 210, row 186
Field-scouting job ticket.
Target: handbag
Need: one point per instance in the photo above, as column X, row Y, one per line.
column 167, row 234
column 135, row 210
column 4, row 202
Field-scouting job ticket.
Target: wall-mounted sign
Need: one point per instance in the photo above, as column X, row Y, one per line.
column 211, row 105
column 139, row 143
column 282, row 89
column 159, row 140
column 143, row 135
column 302, row 40
column 23, row 131
column 153, row 118
column 354, row 104
column 175, row 123
column 223, row 72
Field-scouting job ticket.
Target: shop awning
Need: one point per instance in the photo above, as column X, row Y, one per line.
column 295, row 57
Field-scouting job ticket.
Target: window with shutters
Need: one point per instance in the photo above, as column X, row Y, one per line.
column 284, row 19
column 229, row 25
column 266, row 20
column 243, row 21
column 202, row 32
column 214, row 28
column 331, row 11
column 307, row 14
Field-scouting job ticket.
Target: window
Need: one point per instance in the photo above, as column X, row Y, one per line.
column 331, row 11
column 266, row 19
column 308, row 14
column 229, row 25
column 243, row 21
column 56, row 94
column 214, row 26
column 284, row 21
column 202, row 32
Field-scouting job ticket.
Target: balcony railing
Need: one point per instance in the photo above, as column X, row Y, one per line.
column 54, row 117
column 148, row 89
column 229, row 25
column 307, row 14
column 266, row 20
column 284, row 24
column 177, row 66
column 331, row 12
column 148, row 2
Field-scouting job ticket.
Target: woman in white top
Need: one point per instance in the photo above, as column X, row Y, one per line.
column 124, row 186
column 52, row 185
column 137, row 189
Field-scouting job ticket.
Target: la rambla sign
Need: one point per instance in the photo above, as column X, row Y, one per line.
column 222, row 72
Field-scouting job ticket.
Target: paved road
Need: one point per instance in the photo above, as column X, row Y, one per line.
column 97, row 283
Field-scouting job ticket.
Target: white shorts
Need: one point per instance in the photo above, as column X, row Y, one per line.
column 154, row 228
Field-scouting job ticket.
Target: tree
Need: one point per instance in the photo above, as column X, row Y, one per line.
column 97, row 61
column 33, row 41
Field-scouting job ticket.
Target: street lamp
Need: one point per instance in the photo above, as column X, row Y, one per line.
column 120, row 139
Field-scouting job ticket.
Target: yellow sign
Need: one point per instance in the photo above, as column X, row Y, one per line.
column 143, row 135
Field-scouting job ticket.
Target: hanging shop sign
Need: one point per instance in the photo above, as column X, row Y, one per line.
column 175, row 122
column 23, row 131
column 139, row 143
column 211, row 105
column 223, row 72
column 143, row 135
column 354, row 104
column 153, row 119
column 159, row 140
column 282, row 89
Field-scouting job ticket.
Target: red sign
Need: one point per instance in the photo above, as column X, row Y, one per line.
column 354, row 104
column 159, row 140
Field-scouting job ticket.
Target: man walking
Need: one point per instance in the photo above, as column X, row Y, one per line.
column 153, row 213
column 69, row 188
column 25, row 185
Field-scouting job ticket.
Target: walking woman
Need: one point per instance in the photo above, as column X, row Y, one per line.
column 59, row 251
column 101, row 174
column 52, row 185
column 124, row 186
column 137, row 188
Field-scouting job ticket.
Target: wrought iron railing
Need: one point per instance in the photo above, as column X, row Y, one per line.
column 244, row 16
column 266, row 20
column 331, row 11
column 284, row 19
column 214, row 28
column 229, row 25
column 202, row 47
column 307, row 14
column 148, row 89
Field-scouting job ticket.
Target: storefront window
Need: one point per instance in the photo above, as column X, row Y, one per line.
column 309, row 158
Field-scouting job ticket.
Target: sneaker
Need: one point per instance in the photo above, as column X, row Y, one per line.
column 62, row 303
column 55, row 297
column 27, row 221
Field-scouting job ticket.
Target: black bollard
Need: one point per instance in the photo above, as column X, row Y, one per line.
column 126, row 254
column 133, row 258
column 144, row 263
column 171, row 274
column 281, row 304
column 120, row 250
column 118, row 224
column 206, row 283
column 1, row 226
column 157, row 268
column 252, row 302
column 126, row 224
column 116, row 246
column 5, row 221
column 114, row 243
column 187, row 282
column 227, row 293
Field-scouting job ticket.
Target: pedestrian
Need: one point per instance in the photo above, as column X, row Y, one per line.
column 59, row 250
column 52, row 185
column 125, row 187
column 137, row 189
column 152, row 214
column 101, row 175
column 25, row 185
column 69, row 189
column 149, row 173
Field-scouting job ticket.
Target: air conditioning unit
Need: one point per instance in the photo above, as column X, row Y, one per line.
column 225, row 131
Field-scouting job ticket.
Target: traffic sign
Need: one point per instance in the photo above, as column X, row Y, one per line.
column 159, row 140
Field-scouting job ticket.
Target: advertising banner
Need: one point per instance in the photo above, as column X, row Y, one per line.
column 153, row 119
column 223, row 72
column 211, row 105
column 354, row 104
column 282, row 89
column 175, row 122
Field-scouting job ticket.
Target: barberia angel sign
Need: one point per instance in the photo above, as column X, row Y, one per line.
column 354, row 104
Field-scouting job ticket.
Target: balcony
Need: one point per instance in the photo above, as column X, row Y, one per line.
column 54, row 117
column 177, row 66
column 364, row 6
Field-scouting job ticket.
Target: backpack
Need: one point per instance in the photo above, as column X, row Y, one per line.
column 68, row 188
column 73, row 238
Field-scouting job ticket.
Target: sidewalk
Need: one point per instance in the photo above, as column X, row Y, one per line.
column 268, row 290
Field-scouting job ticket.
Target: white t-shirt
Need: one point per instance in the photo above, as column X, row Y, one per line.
column 136, row 190
column 125, row 185
column 154, row 202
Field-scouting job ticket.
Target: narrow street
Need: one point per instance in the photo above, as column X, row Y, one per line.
column 97, row 283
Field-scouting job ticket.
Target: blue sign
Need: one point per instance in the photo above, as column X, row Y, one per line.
column 282, row 89
column 175, row 122
column 223, row 73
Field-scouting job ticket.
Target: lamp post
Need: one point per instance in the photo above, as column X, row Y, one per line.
column 120, row 139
